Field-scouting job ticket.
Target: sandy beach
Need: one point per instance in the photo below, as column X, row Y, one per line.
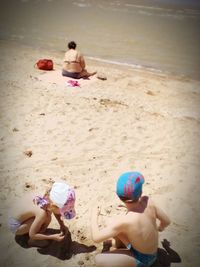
column 88, row 136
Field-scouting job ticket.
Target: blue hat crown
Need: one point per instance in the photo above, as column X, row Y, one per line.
column 129, row 185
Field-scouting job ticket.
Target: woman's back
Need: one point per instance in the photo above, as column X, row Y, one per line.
column 72, row 61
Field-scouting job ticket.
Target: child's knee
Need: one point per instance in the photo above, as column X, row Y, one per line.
column 23, row 229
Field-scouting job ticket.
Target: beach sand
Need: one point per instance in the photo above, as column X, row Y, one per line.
column 89, row 135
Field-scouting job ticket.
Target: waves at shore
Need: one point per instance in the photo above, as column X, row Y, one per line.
column 160, row 35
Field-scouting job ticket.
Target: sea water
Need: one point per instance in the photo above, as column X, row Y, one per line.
column 162, row 35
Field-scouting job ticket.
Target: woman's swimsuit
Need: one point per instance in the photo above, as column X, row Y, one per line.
column 73, row 61
column 75, row 75
column 141, row 259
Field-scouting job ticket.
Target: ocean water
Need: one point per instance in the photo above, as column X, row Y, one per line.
column 162, row 35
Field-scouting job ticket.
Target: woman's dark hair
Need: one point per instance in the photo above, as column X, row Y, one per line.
column 72, row 45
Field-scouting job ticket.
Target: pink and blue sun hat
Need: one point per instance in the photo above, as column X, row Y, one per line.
column 63, row 196
column 129, row 185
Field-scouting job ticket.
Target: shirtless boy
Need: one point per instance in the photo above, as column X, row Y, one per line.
column 135, row 233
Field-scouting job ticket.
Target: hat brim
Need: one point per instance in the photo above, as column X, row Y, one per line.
column 67, row 214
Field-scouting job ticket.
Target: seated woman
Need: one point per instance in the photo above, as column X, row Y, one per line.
column 74, row 63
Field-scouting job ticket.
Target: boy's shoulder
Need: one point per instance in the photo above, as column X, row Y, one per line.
column 152, row 205
column 151, row 201
column 148, row 200
column 118, row 220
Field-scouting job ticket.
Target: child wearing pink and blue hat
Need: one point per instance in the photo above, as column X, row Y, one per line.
column 32, row 215
column 136, row 232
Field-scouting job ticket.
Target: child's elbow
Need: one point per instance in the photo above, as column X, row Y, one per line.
column 32, row 236
column 167, row 221
column 96, row 239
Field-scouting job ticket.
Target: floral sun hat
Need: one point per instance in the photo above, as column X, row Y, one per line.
column 63, row 196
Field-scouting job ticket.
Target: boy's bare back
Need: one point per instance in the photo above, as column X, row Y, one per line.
column 139, row 226
column 137, row 230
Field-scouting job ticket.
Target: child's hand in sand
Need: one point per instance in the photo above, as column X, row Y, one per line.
column 64, row 229
column 58, row 237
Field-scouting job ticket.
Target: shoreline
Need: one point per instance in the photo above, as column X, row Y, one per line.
column 112, row 63
column 89, row 135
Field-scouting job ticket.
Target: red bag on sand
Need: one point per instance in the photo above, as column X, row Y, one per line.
column 45, row 64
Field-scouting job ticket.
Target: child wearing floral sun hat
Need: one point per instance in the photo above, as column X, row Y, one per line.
column 63, row 196
column 136, row 232
column 32, row 215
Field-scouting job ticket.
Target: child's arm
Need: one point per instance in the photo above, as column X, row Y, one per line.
column 63, row 228
column 82, row 62
column 99, row 235
column 163, row 218
column 36, row 226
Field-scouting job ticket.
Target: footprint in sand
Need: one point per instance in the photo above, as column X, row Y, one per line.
column 164, row 189
column 150, row 93
column 29, row 186
column 49, row 181
column 111, row 103
column 28, row 153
